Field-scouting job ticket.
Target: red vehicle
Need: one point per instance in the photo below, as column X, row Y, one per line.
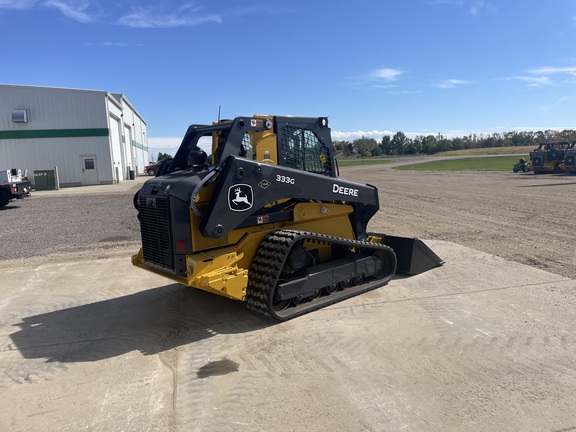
column 152, row 169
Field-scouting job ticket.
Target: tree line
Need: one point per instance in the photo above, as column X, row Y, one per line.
column 400, row 144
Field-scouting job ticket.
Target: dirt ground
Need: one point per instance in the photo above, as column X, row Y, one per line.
column 526, row 218
column 483, row 343
column 521, row 217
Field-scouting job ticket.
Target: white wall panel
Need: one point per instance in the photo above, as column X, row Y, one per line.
column 68, row 111
column 65, row 153
column 52, row 108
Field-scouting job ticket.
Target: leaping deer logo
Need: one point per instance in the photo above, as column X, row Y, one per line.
column 240, row 197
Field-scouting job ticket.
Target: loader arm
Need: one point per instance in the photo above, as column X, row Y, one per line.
column 246, row 187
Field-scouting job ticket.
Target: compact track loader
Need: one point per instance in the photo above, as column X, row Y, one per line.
column 570, row 159
column 548, row 157
column 266, row 220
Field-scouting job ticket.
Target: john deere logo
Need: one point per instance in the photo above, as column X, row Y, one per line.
column 240, row 197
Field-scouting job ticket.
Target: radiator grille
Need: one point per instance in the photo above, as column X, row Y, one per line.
column 155, row 228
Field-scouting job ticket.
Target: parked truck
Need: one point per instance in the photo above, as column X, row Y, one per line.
column 13, row 185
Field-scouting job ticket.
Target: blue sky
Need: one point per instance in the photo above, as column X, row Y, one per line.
column 418, row 66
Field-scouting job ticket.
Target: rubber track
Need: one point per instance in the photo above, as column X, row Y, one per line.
column 269, row 261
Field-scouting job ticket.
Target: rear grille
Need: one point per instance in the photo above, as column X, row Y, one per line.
column 155, row 227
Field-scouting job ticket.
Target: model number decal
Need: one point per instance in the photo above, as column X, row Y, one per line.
column 337, row 189
column 284, row 179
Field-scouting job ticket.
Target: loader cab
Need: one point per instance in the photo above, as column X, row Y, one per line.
column 301, row 143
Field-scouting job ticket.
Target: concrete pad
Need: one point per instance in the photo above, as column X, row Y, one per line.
column 480, row 344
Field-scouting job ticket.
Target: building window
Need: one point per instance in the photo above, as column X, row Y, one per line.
column 19, row 116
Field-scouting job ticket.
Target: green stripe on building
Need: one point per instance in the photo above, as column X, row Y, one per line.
column 138, row 145
column 54, row 133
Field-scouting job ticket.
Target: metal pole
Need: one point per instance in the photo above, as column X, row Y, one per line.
column 56, row 178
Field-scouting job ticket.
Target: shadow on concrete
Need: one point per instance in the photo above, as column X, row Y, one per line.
column 150, row 321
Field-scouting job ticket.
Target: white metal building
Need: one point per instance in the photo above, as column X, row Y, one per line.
column 92, row 137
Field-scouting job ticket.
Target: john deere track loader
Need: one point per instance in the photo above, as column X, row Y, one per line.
column 570, row 159
column 266, row 220
column 548, row 157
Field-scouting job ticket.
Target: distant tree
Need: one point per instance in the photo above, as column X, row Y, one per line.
column 429, row 144
column 162, row 156
column 376, row 151
column 364, row 146
column 411, row 147
column 568, row 135
column 386, row 145
column 349, row 149
column 399, row 140
column 340, row 145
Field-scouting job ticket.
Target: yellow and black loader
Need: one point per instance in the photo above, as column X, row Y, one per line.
column 266, row 220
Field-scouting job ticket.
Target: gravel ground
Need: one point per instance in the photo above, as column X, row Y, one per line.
column 44, row 225
column 521, row 217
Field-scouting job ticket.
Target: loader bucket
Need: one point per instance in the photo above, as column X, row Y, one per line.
column 413, row 256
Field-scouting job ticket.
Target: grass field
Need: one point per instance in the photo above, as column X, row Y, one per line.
column 524, row 150
column 502, row 163
column 355, row 162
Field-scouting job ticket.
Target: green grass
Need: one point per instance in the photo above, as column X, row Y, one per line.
column 498, row 163
column 354, row 162
column 520, row 150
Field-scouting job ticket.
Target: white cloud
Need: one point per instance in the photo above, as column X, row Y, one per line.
column 482, row 8
column 386, row 74
column 476, row 7
column 555, row 104
column 171, row 144
column 404, row 92
column 164, row 142
column 458, row 3
column 551, row 70
column 17, row 4
column 451, row 83
column 84, row 11
column 155, row 17
column 108, row 44
column 378, row 78
column 378, row 134
column 75, row 10
column 541, row 76
column 533, row 81
column 351, row 136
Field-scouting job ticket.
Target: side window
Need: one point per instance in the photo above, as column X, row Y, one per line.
column 246, row 150
column 301, row 149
